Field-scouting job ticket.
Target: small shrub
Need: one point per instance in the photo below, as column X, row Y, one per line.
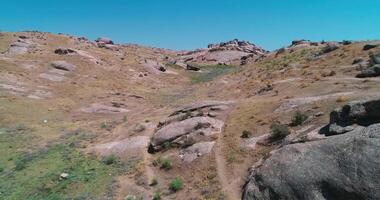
column 103, row 125
column 298, row 118
column 157, row 162
column 166, row 164
column 154, row 182
column 278, row 131
column 157, row 195
column 109, row 160
column 176, row 184
column 246, row 134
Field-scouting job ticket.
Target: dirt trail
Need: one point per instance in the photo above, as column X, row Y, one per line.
column 230, row 188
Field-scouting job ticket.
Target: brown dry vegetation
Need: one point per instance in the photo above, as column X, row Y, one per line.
column 295, row 77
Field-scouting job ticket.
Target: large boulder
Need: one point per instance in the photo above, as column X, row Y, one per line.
column 339, row 167
column 196, row 123
column 185, row 133
column 351, row 115
column 363, row 112
column 370, row 72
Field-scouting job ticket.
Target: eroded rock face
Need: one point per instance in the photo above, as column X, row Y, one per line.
column 190, row 125
column 340, row 167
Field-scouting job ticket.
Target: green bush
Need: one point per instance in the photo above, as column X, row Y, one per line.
column 109, row 160
column 278, row 131
column 298, row 118
column 176, row 184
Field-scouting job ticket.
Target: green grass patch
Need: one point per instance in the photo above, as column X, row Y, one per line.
column 30, row 172
column 210, row 72
column 176, row 184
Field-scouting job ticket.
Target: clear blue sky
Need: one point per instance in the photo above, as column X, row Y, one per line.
column 188, row 24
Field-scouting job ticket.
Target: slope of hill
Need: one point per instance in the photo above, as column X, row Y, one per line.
column 84, row 119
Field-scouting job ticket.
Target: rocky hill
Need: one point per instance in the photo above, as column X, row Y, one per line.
column 83, row 119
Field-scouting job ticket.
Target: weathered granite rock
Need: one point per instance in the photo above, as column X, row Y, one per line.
column 186, row 132
column 63, row 65
column 339, row 167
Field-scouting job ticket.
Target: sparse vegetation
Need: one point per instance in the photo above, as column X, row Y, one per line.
column 39, row 170
column 157, row 195
column 110, row 159
column 278, row 131
column 166, row 164
column 246, row 134
column 176, row 184
column 210, row 72
column 298, row 118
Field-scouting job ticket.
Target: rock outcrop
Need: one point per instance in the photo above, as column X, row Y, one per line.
column 188, row 126
column 340, row 167
column 373, row 68
column 21, row 46
column 336, row 167
column 231, row 52
column 63, row 65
